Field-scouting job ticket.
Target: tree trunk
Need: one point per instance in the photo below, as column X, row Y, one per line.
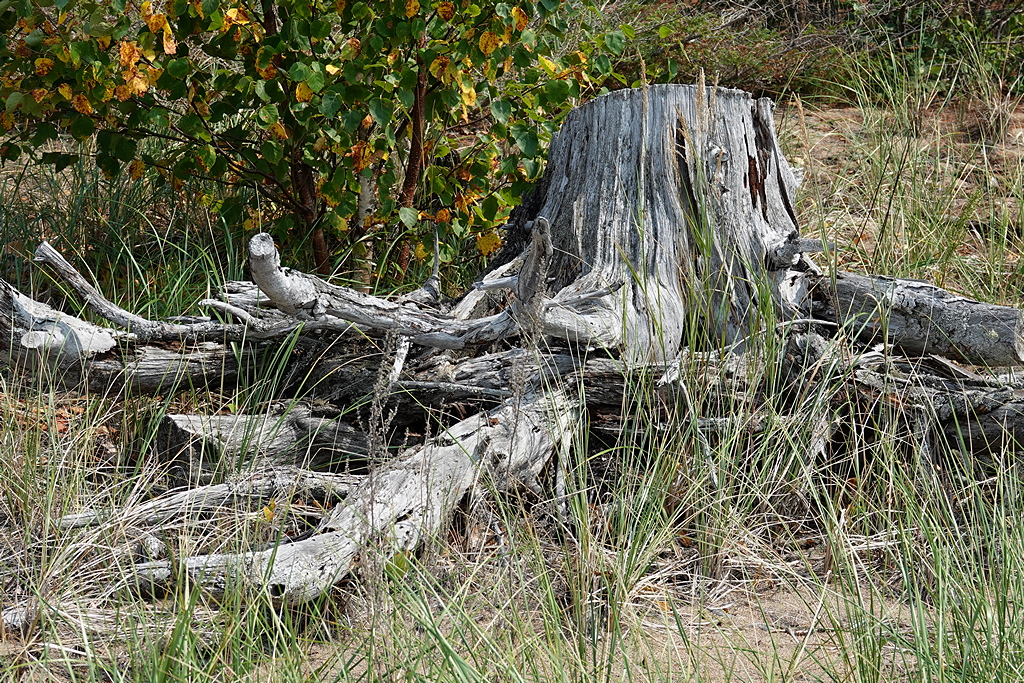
column 683, row 194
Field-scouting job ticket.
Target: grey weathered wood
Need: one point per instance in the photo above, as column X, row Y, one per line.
column 681, row 193
column 400, row 504
column 244, row 492
column 920, row 319
column 69, row 352
column 206, row 444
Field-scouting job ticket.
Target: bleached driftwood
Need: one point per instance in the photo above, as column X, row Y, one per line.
column 245, row 492
column 71, row 352
column 398, row 506
column 665, row 216
column 203, row 445
column 920, row 319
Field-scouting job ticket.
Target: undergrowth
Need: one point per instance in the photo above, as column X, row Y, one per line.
column 708, row 536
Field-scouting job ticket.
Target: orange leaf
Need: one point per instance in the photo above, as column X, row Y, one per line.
column 130, row 53
column 81, row 104
column 360, row 154
column 170, row 44
column 520, row 18
column 43, row 66
column 489, row 42
column 446, row 10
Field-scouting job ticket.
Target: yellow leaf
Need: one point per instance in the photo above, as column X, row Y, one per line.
column 361, row 154
column 443, row 216
column 153, row 75
column 439, row 66
column 136, row 169
column 303, row 93
column 268, row 72
column 43, row 66
column 488, row 244
column 7, row 120
column 81, row 104
column 278, row 130
column 489, row 42
column 137, row 83
column 170, row 44
column 446, row 10
column 412, row 8
column 154, row 20
column 464, row 201
column 39, row 93
column 548, row 65
column 236, row 15
column 332, row 70
column 130, row 53
column 520, row 18
column 469, row 95
column 421, row 251
column 123, row 93
column 65, row 90
column 157, row 22
column 103, row 42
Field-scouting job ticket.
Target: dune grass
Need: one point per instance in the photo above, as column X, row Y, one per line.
column 678, row 551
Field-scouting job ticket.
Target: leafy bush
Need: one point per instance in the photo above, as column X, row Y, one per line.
column 343, row 116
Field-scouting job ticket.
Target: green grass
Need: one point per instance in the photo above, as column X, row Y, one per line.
column 678, row 553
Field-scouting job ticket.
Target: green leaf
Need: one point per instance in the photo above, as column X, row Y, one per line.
column 330, row 103
column 489, row 207
column 501, row 110
column 615, row 42
column 316, row 80
column 299, row 72
column 408, row 216
column 557, row 91
column 380, row 111
column 82, row 127
column 267, row 115
column 13, row 100
column 526, row 137
column 59, row 161
column 209, row 7
column 272, row 151
column 178, row 68
column 110, row 166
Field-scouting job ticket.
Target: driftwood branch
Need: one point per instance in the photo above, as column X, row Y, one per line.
column 399, row 505
column 920, row 319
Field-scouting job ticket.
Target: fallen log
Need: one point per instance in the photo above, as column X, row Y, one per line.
column 921, row 319
column 398, row 506
column 72, row 353
column 202, row 447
